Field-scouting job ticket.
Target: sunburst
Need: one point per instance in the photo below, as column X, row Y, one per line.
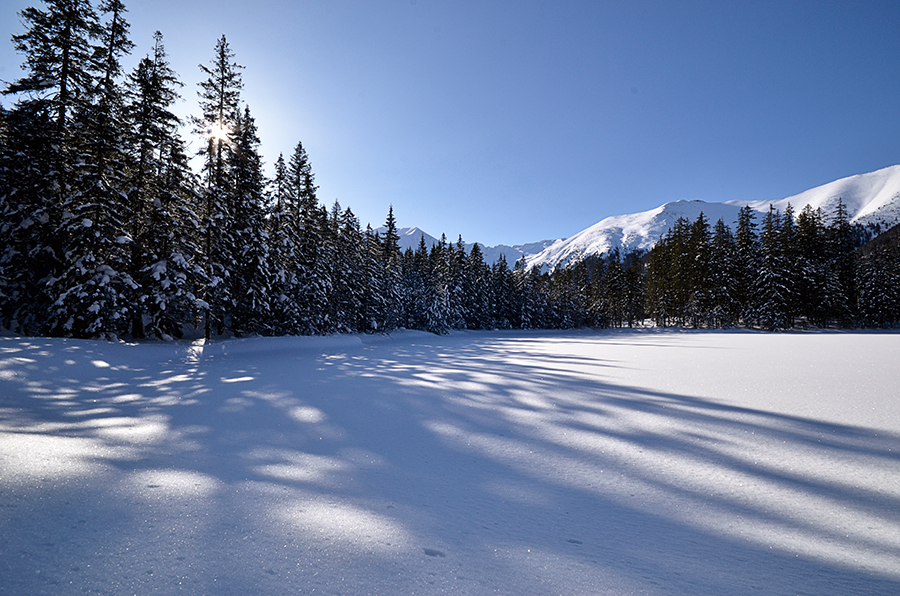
column 218, row 132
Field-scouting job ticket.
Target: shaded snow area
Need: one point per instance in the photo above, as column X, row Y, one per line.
column 645, row 462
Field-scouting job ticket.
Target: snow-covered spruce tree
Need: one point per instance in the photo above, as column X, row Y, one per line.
column 842, row 265
column 162, row 194
column 28, row 197
column 669, row 287
column 414, row 286
column 392, row 275
column 697, row 268
column 503, row 289
column 219, row 102
column 811, row 267
column 634, row 298
column 526, row 303
column 59, row 81
column 659, row 288
column 437, row 292
column 313, row 289
column 567, row 297
column 724, row 269
column 476, row 280
column 251, row 278
column 348, row 286
column 284, row 240
column 772, row 284
column 747, row 244
column 95, row 292
column 788, row 239
column 373, row 301
column 456, row 283
column 878, row 283
column 597, row 312
column 613, row 293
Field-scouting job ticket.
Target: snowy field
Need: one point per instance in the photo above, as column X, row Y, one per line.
column 634, row 462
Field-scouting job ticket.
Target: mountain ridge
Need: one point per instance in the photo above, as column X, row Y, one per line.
column 870, row 198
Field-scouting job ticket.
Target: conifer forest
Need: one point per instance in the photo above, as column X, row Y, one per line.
column 108, row 230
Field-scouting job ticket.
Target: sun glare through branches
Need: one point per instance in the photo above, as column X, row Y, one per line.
column 218, row 132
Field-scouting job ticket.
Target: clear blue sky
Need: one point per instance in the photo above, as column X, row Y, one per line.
column 516, row 121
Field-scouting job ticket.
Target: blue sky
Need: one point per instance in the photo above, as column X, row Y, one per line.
column 517, row 121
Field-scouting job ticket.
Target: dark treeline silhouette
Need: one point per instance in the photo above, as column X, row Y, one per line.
column 107, row 231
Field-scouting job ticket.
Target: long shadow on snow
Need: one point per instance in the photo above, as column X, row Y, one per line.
column 464, row 448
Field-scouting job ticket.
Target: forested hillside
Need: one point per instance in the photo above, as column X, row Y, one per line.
column 107, row 231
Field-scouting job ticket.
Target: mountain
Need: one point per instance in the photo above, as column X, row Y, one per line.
column 410, row 238
column 637, row 231
column 872, row 198
column 512, row 253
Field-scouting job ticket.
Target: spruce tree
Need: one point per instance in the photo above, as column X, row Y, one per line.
column 437, row 293
column 724, row 268
column 29, row 211
column 878, row 283
column 660, row 284
column 698, row 271
column 348, row 289
column 503, row 289
column 59, row 82
column 392, row 274
column 414, row 286
column 219, row 103
column 788, row 241
column 251, row 275
column 96, row 293
column 59, row 58
column 842, row 262
column 613, row 296
column 162, row 195
column 811, row 267
column 456, row 282
column 373, row 313
column 772, row 286
column 284, row 239
column 747, row 244
column 634, row 298
column 314, row 284
column 478, row 312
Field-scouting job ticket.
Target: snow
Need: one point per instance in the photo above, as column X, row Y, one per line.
column 636, row 231
column 409, row 239
column 871, row 198
column 868, row 198
column 862, row 195
column 649, row 462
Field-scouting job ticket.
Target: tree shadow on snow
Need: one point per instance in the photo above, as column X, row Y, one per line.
column 475, row 463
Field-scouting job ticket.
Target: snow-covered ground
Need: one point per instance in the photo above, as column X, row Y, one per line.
column 644, row 462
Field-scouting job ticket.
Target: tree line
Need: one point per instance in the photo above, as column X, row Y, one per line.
column 784, row 272
column 107, row 231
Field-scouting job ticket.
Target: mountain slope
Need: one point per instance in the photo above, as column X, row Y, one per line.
column 409, row 238
column 868, row 198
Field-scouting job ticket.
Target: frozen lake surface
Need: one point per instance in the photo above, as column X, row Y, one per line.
column 644, row 462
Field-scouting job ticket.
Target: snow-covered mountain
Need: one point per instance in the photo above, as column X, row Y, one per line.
column 512, row 253
column 409, row 238
column 868, row 198
column 872, row 198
